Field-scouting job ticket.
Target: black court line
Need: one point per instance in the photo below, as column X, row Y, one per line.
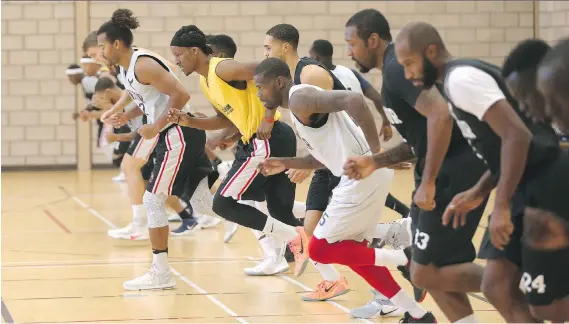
column 479, row 297
column 6, row 314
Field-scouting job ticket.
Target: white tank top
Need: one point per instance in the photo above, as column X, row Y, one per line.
column 88, row 83
column 348, row 78
column 333, row 142
column 151, row 101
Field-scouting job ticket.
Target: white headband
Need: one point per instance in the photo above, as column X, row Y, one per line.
column 74, row 71
column 85, row 60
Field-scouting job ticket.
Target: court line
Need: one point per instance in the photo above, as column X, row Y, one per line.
column 6, row 313
column 184, row 279
column 56, row 221
column 333, row 303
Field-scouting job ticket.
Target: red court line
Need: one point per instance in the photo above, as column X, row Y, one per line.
column 56, row 221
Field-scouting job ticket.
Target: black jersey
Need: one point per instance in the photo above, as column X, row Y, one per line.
column 317, row 120
column 544, row 146
column 399, row 96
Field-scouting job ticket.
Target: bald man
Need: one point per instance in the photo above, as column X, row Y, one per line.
column 525, row 164
column 441, row 256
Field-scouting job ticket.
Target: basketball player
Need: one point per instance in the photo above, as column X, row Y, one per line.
column 322, row 52
column 442, row 257
column 179, row 151
column 523, row 159
column 350, row 218
column 281, row 41
column 228, row 86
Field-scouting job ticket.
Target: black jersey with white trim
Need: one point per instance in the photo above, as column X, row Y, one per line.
column 544, row 146
column 399, row 96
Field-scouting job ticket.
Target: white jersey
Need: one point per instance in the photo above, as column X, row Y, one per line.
column 333, row 142
column 348, row 78
column 151, row 101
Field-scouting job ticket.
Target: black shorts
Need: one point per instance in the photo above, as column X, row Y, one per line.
column 243, row 181
column 443, row 245
column 147, row 168
column 546, row 272
column 320, row 190
column 513, row 250
column 121, row 147
column 180, row 162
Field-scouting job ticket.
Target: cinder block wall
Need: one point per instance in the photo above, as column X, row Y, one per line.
column 38, row 43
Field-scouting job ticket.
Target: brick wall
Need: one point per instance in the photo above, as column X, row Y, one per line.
column 37, row 99
column 553, row 20
column 483, row 29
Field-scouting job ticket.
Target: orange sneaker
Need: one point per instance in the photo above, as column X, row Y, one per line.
column 299, row 247
column 328, row 290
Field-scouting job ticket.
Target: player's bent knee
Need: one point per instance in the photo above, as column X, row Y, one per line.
column 130, row 164
column 549, row 313
column 423, row 276
column 155, row 210
column 222, row 206
column 318, row 249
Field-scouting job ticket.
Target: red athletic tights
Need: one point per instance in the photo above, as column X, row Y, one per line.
column 359, row 258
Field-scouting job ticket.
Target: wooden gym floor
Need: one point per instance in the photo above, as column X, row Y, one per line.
column 58, row 260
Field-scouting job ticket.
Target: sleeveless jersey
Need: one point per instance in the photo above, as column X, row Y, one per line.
column 308, row 61
column 486, row 144
column 333, row 142
column 88, row 84
column 242, row 107
column 404, row 117
column 348, row 78
column 151, row 101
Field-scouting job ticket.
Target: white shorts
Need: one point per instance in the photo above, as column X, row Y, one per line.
column 141, row 148
column 355, row 208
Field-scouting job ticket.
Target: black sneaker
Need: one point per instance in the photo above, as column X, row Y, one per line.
column 419, row 293
column 427, row 318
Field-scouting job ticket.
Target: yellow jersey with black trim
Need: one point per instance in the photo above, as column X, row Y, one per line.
column 242, row 107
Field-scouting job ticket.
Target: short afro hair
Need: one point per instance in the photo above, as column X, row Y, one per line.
column 526, row 55
column 273, row 68
column 369, row 21
column 104, row 84
column 285, row 33
column 323, row 47
column 224, row 43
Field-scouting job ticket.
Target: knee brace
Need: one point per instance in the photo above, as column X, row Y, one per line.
column 155, row 210
column 202, row 199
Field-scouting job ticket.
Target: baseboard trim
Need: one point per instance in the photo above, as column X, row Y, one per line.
column 56, row 167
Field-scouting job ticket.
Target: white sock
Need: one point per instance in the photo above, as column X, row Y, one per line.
column 262, row 207
column 160, row 260
column 299, row 209
column 468, row 319
column 327, row 271
column 381, row 230
column 282, row 230
column 139, row 216
column 385, row 257
column 408, row 304
column 257, row 234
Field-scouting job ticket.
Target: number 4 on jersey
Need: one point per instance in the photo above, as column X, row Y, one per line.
column 527, row 284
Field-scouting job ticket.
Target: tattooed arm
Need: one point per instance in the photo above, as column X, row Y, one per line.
column 401, row 153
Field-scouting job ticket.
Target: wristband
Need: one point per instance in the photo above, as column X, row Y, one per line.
column 270, row 120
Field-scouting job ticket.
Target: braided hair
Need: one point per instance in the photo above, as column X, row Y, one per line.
column 191, row 36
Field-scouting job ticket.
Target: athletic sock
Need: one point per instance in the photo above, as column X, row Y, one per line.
column 404, row 301
column 160, row 260
column 385, row 257
column 327, row 271
column 139, row 216
column 285, row 232
column 381, row 230
column 186, row 213
column 468, row 319
column 394, row 204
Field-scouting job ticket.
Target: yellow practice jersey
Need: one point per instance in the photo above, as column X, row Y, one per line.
column 242, row 107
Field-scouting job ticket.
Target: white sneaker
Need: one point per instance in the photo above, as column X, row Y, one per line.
column 230, row 230
column 271, row 265
column 378, row 306
column 206, row 221
column 223, row 168
column 274, row 261
column 173, row 216
column 399, row 235
column 119, row 178
column 151, row 280
column 129, row 232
